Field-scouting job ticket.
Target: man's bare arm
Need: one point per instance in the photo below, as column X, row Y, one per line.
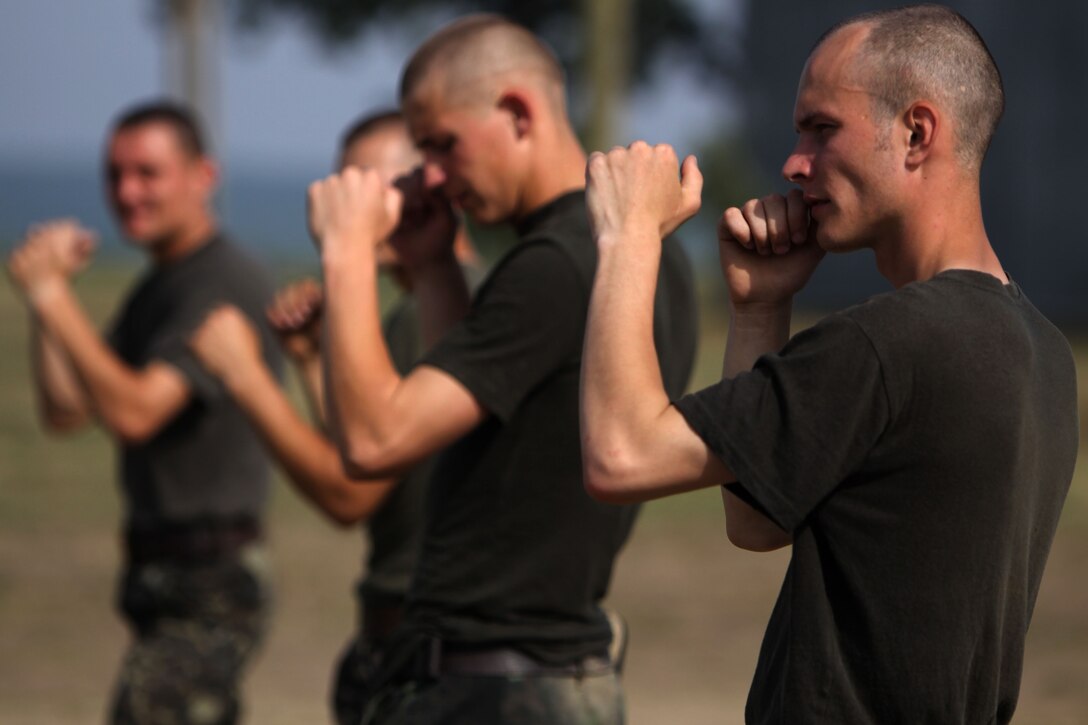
column 295, row 315
column 635, row 444
column 228, row 347
column 381, row 423
column 766, row 257
column 62, row 402
column 132, row 404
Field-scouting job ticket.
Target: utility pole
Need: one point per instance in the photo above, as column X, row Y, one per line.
column 608, row 26
column 191, row 60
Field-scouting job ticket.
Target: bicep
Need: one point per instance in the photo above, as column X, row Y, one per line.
column 445, row 409
column 158, row 394
column 432, row 409
column 659, row 457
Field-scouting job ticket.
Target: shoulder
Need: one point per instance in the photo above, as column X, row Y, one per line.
column 539, row 264
column 563, row 226
column 234, row 272
column 230, row 256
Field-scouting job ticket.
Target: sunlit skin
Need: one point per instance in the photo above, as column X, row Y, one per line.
column 388, row 151
column 843, row 161
column 158, row 192
column 472, row 154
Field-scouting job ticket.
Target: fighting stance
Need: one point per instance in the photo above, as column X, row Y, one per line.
column 392, row 508
column 915, row 449
column 503, row 622
column 193, row 474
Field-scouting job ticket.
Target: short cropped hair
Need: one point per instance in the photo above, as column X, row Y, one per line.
column 368, row 124
column 179, row 118
column 472, row 49
column 932, row 51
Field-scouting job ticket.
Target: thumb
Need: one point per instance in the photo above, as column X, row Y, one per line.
column 393, row 201
column 691, row 187
column 691, row 196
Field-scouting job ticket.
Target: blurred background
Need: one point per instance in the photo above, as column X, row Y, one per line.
column 276, row 81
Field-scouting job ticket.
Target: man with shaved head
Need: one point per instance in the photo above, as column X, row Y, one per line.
column 916, row 450
column 391, row 507
column 503, row 622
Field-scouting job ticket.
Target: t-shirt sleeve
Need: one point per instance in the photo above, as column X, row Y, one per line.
column 800, row 422
column 172, row 348
column 526, row 322
column 168, row 343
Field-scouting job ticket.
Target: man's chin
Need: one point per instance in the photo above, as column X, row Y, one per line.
column 139, row 235
column 484, row 216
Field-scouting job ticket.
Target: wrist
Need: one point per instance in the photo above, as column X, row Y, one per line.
column 338, row 249
column 633, row 236
column 760, row 315
column 43, row 292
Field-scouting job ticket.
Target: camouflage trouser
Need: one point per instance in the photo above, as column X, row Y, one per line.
column 492, row 700
column 194, row 626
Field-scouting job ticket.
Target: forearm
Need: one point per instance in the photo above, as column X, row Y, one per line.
column 313, row 386
column 636, row 445
column 62, row 402
column 360, row 380
column 754, row 330
column 309, row 459
column 112, row 389
column 442, row 295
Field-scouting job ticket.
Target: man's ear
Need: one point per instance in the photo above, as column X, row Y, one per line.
column 206, row 175
column 520, row 109
column 923, row 127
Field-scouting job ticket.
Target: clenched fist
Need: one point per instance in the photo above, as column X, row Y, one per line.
column 767, row 248
column 226, row 343
column 52, row 252
column 640, row 187
column 354, row 207
column 295, row 315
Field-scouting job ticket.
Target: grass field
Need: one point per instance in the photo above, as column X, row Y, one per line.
column 697, row 606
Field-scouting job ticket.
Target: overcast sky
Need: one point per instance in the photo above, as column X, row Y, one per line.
column 67, row 66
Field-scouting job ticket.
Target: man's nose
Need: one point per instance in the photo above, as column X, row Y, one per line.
column 798, row 166
column 433, row 175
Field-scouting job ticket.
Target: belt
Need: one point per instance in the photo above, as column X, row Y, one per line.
column 511, row 662
column 191, row 542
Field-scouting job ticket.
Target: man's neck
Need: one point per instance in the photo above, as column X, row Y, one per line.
column 185, row 241
column 562, row 169
column 947, row 233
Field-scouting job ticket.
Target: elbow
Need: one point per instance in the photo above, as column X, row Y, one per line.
column 608, row 478
column 343, row 517
column 363, row 460
column 130, row 429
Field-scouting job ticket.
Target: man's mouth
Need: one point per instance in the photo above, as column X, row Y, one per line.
column 816, row 205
